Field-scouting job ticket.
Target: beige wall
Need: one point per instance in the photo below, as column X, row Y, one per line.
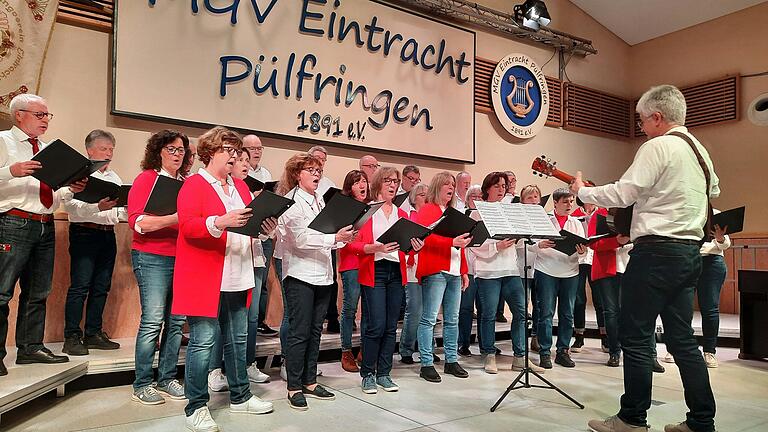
column 734, row 44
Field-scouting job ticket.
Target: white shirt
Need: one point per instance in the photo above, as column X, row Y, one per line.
column 455, row 268
column 587, row 257
column 260, row 173
column 714, row 247
column 460, row 205
column 530, row 255
column 555, row 263
column 667, row 186
column 306, row 252
column 237, row 274
column 323, row 186
column 492, row 263
column 79, row 211
column 406, row 206
column 411, row 270
column 22, row 193
column 162, row 172
column 380, row 225
column 622, row 257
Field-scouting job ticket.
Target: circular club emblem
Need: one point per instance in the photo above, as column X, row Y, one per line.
column 520, row 95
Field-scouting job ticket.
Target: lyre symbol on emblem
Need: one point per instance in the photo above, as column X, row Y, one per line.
column 519, row 97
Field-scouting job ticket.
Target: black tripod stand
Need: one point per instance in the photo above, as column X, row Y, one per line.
column 523, row 379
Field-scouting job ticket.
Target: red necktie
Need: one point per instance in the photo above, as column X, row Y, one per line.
column 46, row 194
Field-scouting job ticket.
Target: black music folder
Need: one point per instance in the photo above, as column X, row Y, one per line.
column 330, row 193
column 62, row 165
column 400, row 198
column 479, row 235
column 567, row 244
column 601, row 225
column 733, row 219
column 402, row 232
column 264, row 206
column 342, row 210
column 543, row 200
column 454, row 223
column 162, row 199
column 97, row 189
column 255, row 185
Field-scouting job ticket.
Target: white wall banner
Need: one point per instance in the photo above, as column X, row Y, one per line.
column 343, row 72
column 25, row 28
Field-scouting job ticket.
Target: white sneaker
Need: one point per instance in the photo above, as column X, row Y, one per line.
column 668, row 358
column 518, row 362
column 201, row 421
column 257, row 376
column 254, row 405
column 710, row 360
column 217, row 382
column 489, row 364
column 283, row 372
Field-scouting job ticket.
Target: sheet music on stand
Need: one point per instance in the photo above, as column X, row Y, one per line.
column 515, row 220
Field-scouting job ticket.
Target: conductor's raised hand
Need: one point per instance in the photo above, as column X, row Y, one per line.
column 268, row 226
column 462, row 240
column 577, row 184
column 233, row 218
column 23, row 169
column 417, row 244
column 346, row 234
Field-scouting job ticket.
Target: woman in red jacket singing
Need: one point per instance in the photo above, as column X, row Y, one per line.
column 442, row 271
column 213, row 277
column 381, row 276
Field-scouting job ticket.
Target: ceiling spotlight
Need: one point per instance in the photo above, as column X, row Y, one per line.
column 532, row 14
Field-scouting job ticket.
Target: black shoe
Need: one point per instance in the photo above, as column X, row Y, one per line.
column 436, row 358
column 100, row 341
column 465, row 352
column 333, row 327
column 564, row 359
column 535, row 347
column 3, row 370
column 578, row 343
column 265, row 331
column 456, row 370
column 430, row 374
column 657, row 367
column 42, row 356
column 613, row 361
column 501, row 318
column 498, row 351
column 298, row 401
column 73, row 345
column 406, row 359
column 318, row 393
column 545, row 362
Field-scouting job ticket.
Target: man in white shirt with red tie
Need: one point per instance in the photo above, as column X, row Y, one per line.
column 27, row 237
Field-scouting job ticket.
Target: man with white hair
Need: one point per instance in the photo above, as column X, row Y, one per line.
column 369, row 165
column 669, row 183
column 255, row 148
column 463, row 182
column 325, row 183
column 27, row 237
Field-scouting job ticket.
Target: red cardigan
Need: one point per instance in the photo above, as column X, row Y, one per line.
column 200, row 256
column 366, row 273
column 435, row 256
column 604, row 259
column 160, row 242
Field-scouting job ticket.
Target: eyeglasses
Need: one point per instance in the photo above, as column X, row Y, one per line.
column 377, row 166
column 314, row 171
column 39, row 114
column 229, row 149
column 413, row 179
column 260, row 148
column 175, row 150
column 391, row 181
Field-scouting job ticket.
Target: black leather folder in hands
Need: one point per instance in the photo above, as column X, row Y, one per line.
column 162, row 199
column 402, row 232
column 264, row 206
column 400, row 199
column 97, row 189
column 62, row 165
column 341, row 211
column 567, row 244
column 454, row 223
column 255, row 185
column 733, row 219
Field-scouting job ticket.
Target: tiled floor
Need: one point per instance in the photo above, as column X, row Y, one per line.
column 741, row 389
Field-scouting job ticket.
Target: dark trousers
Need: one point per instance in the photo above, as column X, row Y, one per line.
column 470, row 300
column 610, row 295
column 580, row 306
column 381, row 309
column 660, row 280
column 26, row 255
column 708, row 288
column 333, row 307
column 92, row 260
column 306, row 306
column 269, row 248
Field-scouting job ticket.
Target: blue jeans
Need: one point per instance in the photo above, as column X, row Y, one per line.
column 713, row 273
column 413, row 309
column 510, row 289
column 439, row 289
column 466, row 309
column 92, row 260
column 231, row 326
column 580, row 306
column 610, row 297
column 660, row 280
column 28, row 260
column 553, row 291
column 154, row 274
column 351, row 289
column 381, row 308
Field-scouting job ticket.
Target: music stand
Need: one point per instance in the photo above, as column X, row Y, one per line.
column 524, row 374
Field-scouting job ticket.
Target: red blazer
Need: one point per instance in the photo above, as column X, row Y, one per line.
column 604, row 259
column 366, row 272
column 200, row 256
column 435, row 256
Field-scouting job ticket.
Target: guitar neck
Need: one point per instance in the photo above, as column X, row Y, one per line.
column 567, row 178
